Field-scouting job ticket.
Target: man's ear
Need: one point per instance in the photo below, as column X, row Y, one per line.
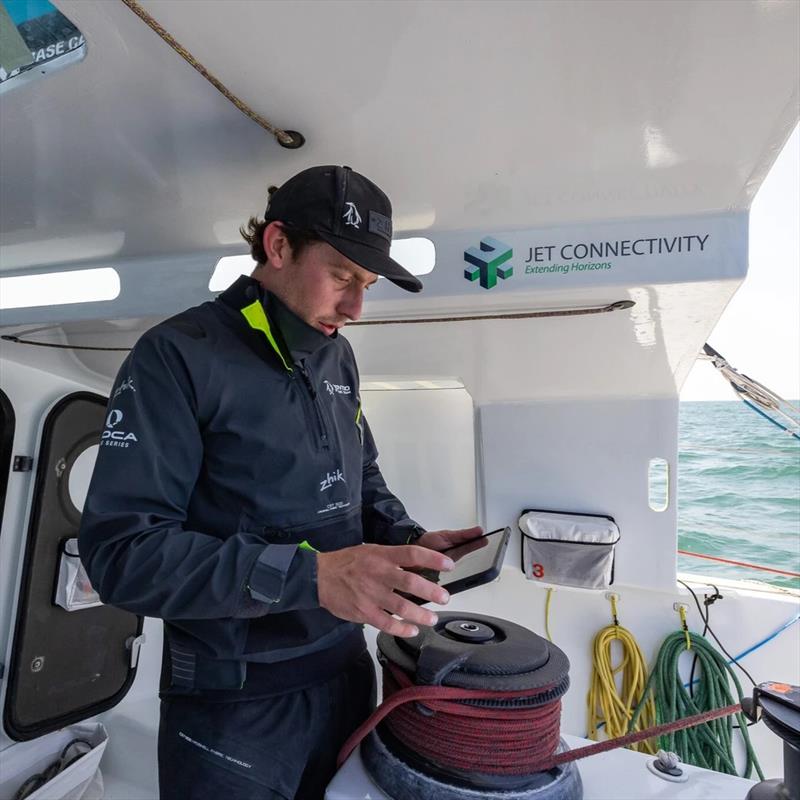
column 276, row 245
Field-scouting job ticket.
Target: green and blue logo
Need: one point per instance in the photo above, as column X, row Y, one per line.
column 487, row 261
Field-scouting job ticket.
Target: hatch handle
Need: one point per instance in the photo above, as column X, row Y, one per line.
column 134, row 644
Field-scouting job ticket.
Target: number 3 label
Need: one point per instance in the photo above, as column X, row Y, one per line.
column 537, row 570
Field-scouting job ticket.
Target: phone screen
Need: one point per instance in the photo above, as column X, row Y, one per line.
column 473, row 557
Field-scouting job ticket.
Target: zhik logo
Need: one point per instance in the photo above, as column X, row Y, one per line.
column 487, row 262
column 124, row 386
column 330, row 479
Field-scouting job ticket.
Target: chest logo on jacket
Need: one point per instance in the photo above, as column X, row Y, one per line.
column 337, row 388
column 330, row 479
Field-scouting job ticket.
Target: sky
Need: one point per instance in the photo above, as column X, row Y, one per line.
column 759, row 331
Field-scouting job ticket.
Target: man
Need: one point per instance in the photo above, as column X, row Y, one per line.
column 245, row 506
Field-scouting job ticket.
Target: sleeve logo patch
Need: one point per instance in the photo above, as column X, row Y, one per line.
column 124, row 386
column 112, row 436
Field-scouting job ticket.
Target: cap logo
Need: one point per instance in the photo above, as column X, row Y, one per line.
column 351, row 215
column 380, row 224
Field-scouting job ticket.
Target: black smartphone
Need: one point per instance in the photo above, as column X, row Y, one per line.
column 477, row 561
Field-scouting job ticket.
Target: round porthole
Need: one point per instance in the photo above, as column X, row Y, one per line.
column 80, row 475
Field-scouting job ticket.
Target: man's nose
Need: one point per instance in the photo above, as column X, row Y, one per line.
column 350, row 305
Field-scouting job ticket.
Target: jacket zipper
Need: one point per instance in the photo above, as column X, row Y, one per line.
column 321, row 430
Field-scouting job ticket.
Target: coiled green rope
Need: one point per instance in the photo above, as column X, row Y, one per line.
column 709, row 745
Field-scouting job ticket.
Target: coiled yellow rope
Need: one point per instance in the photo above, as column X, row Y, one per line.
column 609, row 706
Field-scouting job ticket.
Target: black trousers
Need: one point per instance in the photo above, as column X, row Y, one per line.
column 275, row 748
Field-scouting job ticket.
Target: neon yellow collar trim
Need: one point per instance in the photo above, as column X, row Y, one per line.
column 257, row 319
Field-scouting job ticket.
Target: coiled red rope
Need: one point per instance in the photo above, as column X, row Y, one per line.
column 491, row 740
column 520, row 754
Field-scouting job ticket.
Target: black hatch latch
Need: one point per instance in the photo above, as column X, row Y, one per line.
column 22, row 464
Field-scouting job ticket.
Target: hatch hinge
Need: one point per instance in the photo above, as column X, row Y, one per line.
column 22, row 464
column 134, row 644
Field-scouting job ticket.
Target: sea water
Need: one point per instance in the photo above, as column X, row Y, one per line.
column 738, row 493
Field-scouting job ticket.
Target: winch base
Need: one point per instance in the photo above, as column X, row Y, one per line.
column 402, row 782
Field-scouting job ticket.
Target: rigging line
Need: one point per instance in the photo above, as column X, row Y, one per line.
column 773, row 405
column 771, row 448
column 761, row 389
column 773, row 421
column 17, row 340
column 428, row 693
column 707, row 624
column 740, row 563
column 620, row 305
column 290, row 139
column 769, row 638
column 708, row 601
column 774, row 635
column 743, row 384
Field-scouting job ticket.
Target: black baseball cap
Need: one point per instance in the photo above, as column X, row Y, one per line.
column 346, row 210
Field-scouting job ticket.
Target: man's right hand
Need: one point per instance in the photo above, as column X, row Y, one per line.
column 360, row 584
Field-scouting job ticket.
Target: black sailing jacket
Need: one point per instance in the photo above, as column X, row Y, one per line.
column 223, row 465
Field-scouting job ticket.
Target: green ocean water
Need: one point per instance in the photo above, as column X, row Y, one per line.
column 738, row 492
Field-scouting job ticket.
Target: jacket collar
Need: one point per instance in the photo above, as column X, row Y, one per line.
column 301, row 338
column 287, row 335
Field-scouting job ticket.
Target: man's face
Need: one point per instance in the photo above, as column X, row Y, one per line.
column 324, row 288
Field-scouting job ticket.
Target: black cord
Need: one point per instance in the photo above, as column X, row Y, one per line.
column 709, row 601
column 714, row 635
column 704, row 617
column 40, row 779
column 17, row 340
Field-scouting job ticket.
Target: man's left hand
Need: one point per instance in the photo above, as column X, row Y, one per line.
column 441, row 540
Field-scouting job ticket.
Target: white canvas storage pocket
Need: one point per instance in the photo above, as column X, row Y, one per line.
column 568, row 549
column 73, row 589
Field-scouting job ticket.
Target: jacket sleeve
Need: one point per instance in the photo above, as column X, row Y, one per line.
column 133, row 541
column 384, row 518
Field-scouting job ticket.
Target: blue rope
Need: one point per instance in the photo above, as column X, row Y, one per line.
column 767, row 416
column 768, row 638
column 764, row 641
